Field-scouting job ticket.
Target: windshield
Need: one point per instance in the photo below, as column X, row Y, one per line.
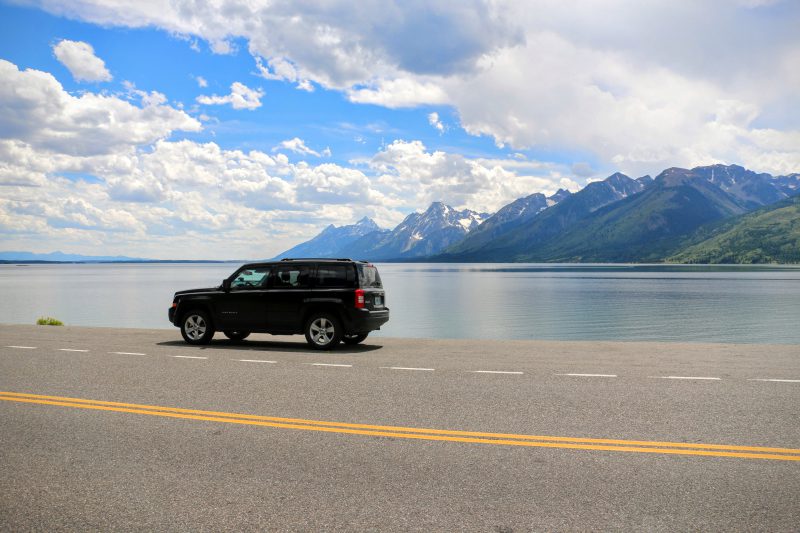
column 369, row 277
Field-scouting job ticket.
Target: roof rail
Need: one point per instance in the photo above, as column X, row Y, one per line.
column 315, row 259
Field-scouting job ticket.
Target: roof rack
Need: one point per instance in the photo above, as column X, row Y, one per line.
column 315, row 259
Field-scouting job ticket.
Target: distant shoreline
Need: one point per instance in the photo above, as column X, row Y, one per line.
column 133, row 262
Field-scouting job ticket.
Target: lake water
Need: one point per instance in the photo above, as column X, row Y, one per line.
column 488, row 301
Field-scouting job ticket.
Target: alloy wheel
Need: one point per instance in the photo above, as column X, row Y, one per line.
column 195, row 327
column 322, row 331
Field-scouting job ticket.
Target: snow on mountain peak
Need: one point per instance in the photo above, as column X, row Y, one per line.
column 439, row 216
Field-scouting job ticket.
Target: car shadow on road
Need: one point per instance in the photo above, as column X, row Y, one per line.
column 275, row 346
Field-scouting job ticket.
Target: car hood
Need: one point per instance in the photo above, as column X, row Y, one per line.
column 192, row 291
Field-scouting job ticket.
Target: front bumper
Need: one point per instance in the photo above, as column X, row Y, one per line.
column 171, row 315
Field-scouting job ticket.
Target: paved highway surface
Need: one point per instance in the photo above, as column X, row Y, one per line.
column 106, row 429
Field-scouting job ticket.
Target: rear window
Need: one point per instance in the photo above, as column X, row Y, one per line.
column 369, row 277
column 335, row 276
column 291, row 276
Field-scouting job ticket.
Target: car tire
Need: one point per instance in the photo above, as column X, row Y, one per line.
column 323, row 331
column 196, row 327
column 237, row 335
column 354, row 339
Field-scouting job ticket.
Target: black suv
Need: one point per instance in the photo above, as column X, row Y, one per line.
column 329, row 300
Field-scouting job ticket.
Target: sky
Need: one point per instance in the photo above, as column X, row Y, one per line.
column 215, row 129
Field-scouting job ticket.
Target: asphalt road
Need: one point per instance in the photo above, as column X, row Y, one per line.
column 397, row 434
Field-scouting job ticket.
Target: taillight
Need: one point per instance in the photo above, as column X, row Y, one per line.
column 359, row 298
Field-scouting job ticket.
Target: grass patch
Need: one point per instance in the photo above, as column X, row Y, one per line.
column 49, row 321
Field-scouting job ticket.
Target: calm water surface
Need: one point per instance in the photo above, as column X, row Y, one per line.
column 489, row 301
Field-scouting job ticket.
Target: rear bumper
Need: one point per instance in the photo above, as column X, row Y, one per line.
column 171, row 315
column 364, row 320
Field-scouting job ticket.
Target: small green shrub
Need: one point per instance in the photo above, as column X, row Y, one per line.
column 49, row 321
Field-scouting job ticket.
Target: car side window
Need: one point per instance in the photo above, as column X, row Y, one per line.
column 335, row 276
column 292, row 277
column 250, row 278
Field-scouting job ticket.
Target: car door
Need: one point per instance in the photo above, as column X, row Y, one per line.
column 289, row 286
column 244, row 307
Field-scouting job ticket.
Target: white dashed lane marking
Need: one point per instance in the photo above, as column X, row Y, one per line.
column 495, row 372
column 686, row 377
column 423, row 369
column 590, row 375
column 408, row 368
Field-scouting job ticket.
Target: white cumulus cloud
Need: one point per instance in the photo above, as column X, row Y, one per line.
column 414, row 177
column 240, row 97
column 38, row 111
column 81, row 61
column 298, row 146
column 635, row 85
column 433, row 120
column 179, row 199
column 279, row 68
column 396, row 93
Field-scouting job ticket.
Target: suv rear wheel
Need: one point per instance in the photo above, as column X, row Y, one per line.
column 323, row 331
column 196, row 327
column 354, row 339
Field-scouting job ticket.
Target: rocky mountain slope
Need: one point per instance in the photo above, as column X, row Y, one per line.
column 506, row 219
column 418, row 235
column 331, row 240
column 768, row 235
column 551, row 222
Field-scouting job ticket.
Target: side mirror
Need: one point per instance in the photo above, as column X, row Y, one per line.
column 226, row 285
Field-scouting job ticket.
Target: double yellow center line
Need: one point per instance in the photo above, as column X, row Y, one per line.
column 400, row 432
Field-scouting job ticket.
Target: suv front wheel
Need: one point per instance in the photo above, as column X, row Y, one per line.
column 323, row 331
column 196, row 327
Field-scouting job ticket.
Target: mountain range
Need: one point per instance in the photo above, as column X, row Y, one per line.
column 680, row 215
column 332, row 240
column 418, row 235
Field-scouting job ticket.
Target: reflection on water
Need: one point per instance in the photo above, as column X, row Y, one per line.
column 495, row 301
